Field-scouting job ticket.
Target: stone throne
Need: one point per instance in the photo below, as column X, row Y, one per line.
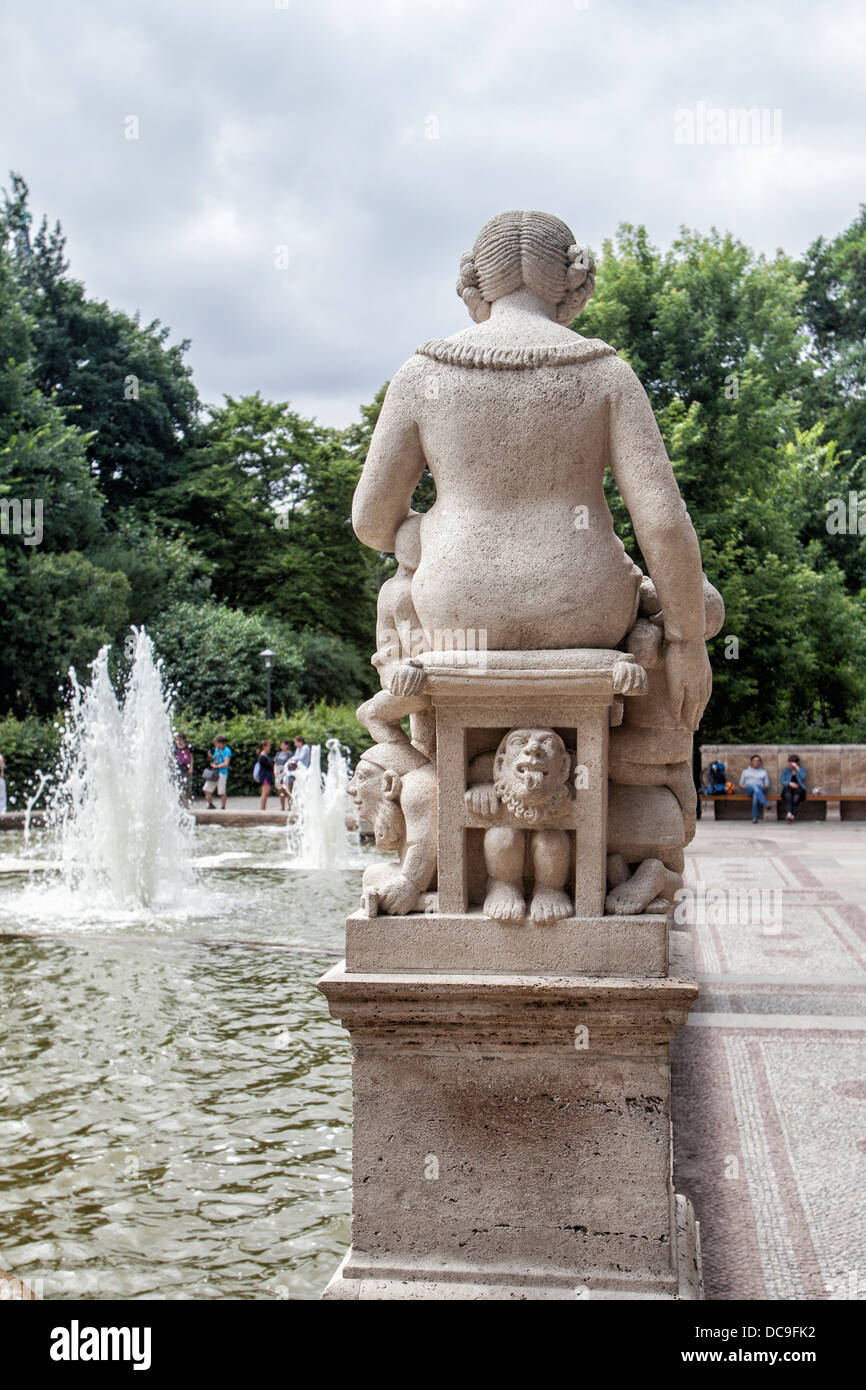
column 511, row 985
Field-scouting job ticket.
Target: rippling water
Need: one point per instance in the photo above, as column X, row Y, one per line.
column 175, row 1100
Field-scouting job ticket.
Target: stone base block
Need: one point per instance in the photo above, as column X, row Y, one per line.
column 625, row 946
column 350, row 1280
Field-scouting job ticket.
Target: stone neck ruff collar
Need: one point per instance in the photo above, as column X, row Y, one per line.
column 469, row 354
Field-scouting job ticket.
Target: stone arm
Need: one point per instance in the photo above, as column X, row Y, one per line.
column 483, row 801
column 666, row 536
column 394, row 465
column 481, row 796
column 418, row 804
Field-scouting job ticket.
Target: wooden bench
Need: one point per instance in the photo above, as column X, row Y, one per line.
column 814, row 807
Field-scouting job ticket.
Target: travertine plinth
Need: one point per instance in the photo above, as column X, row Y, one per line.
column 470, row 942
column 512, row 1136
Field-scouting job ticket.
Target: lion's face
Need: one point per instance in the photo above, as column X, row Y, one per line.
column 531, row 766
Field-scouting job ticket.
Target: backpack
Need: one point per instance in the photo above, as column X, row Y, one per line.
column 257, row 771
column 717, row 778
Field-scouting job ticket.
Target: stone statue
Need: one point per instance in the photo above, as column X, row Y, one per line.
column 398, row 639
column 512, row 985
column 516, row 418
column 526, row 800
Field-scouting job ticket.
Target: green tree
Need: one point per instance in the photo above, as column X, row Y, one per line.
column 161, row 569
column 834, row 311
column 333, row 670
column 716, row 334
column 77, row 608
column 268, row 501
column 212, row 659
column 57, row 606
column 118, row 380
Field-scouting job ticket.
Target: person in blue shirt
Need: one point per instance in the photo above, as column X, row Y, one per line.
column 300, row 758
column 755, row 782
column 793, row 786
column 221, row 760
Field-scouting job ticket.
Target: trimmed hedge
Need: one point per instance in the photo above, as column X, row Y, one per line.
column 244, row 733
column 33, row 744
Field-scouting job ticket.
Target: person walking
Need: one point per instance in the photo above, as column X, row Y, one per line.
column 209, row 780
column 281, row 762
column 2, row 786
column 300, row 758
column 793, row 787
column 221, row 759
column 265, row 769
column 301, row 755
column 183, row 756
column 755, row 782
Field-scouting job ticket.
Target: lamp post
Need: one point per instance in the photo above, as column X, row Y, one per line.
column 268, row 658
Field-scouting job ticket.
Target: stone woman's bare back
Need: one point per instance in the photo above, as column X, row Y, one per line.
column 517, row 429
column 520, row 541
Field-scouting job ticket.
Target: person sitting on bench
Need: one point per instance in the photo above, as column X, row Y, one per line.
column 755, row 783
column 793, row 786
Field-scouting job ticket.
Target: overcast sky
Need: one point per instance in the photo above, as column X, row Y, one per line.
column 371, row 138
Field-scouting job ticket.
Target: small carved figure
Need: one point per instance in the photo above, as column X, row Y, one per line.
column 398, row 639
column 652, row 748
column 394, row 788
column 527, row 797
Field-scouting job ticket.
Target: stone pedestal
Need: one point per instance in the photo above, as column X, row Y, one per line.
column 511, row 1082
column 512, row 1133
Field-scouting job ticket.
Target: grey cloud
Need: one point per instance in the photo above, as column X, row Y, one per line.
column 305, row 127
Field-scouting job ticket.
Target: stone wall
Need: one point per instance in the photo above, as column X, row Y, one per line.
column 832, row 769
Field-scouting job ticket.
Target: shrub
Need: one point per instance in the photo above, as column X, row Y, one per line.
column 28, row 746
column 244, row 733
column 211, row 658
column 333, row 670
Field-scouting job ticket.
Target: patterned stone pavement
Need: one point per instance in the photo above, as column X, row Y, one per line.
column 770, row 1074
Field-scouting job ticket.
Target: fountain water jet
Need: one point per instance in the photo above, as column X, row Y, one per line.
column 318, row 837
column 123, row 838
column 31, row 802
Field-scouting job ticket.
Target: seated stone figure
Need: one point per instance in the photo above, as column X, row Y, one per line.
column 652, row 748
column 517, row 418
column 525, row 802
column 394, row 788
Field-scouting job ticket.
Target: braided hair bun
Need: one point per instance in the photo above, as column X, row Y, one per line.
column 531, row 250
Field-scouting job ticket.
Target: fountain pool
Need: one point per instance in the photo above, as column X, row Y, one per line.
column 174, row 1097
